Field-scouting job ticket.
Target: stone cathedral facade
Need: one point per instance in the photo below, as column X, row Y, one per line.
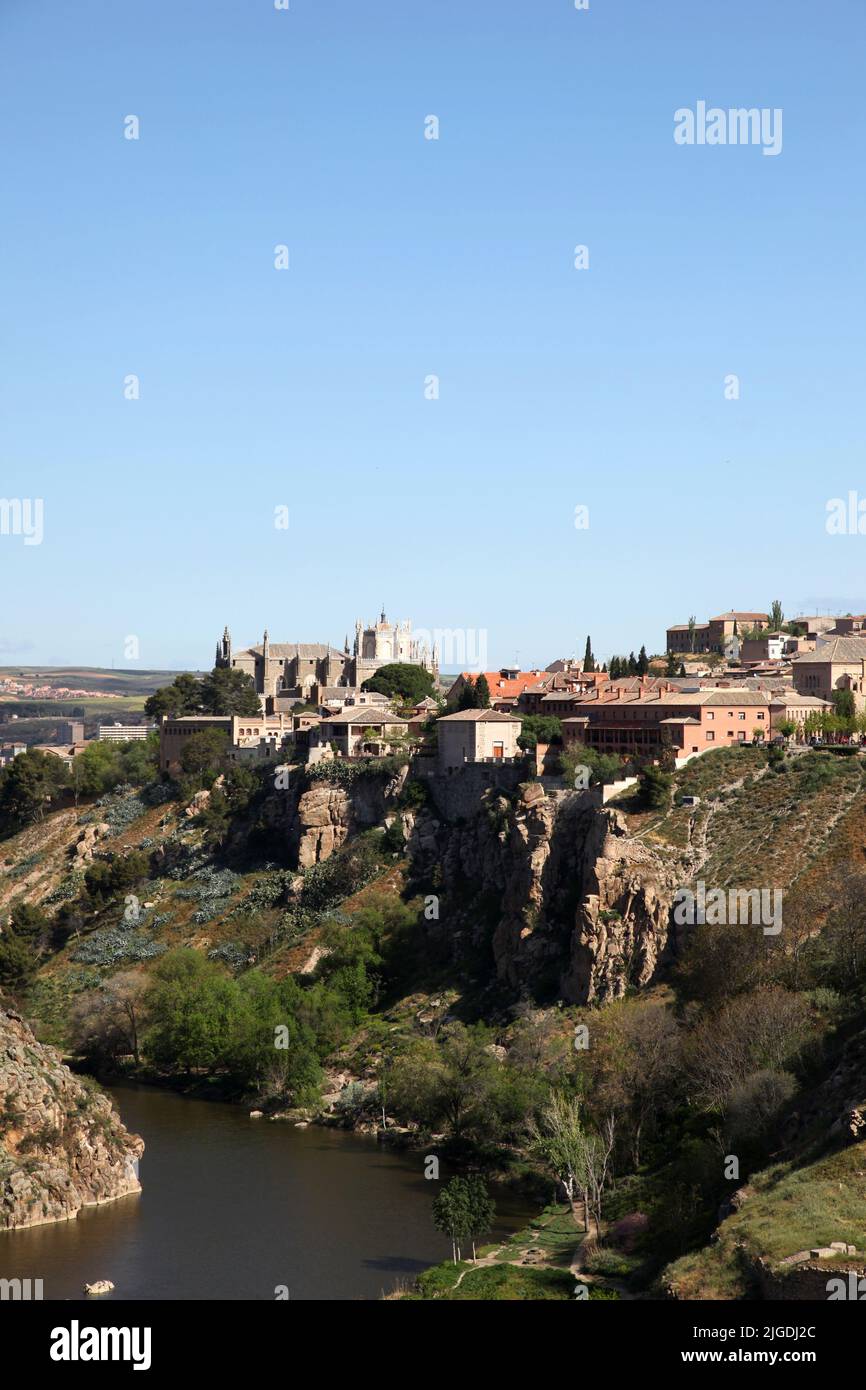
column 290, row 670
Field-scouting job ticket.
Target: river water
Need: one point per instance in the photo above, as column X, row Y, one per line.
column 232, row 1208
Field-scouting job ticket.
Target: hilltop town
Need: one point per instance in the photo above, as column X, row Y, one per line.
column 438, row 884
column 740, row 678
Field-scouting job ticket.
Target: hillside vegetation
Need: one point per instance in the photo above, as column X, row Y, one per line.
column 166, row 928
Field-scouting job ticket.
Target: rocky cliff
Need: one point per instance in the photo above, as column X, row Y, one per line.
column 550, row 883
column 325, row 816
column 581, row 909
column 62, row 1145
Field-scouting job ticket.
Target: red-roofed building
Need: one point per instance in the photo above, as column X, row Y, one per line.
column 506, row 685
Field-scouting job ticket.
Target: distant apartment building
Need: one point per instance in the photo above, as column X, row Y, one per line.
column 70, row 731
column 477, row 736
column 248, row 737
column 10, row 751
column 813, row 626
column 641, row 723
column 716, row 635
column 554, row 692
column 837, row 663
column 851, row 625
column 123, row 733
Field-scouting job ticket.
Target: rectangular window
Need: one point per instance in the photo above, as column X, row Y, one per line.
column 741, row 714
column 710, row 736
column 741, row 737
column 710, row 714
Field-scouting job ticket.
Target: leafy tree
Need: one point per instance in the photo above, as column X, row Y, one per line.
column 482, row 691
column 777, row 617
column 455, row 1083
column 401, row 681
column 189, row 1007
column 96, row 769
column 603, row 767
column 480, row 1209
column 671, row 668
column 203, row 756
column 843, row 705
column 655, row 788
column 18, row 960
column 692, row 632
column 558, row 1138
column 682, row 670
column 183, row 696
column 28, row 786
column 642, row 662
column 105, row 1022
column 105, row 879
column 29, row 920
column 539, row 728
column 451, row 1214
column 268, row 1043
column 223, row 691
column 469, row 697
column 227, row 691
column 588, row 658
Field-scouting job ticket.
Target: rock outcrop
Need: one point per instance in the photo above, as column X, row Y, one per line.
column 62, row 1145
column 548, row 881
column 325, row 816
column 575, row 906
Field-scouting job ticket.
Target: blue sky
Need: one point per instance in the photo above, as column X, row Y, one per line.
column 409, row 257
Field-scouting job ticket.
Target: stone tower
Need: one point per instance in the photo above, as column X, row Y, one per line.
column 224, row 649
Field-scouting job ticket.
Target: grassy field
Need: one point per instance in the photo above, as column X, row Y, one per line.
column 789, row 1208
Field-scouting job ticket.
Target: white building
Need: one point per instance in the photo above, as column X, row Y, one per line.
column 477, row 736
column 123, row 733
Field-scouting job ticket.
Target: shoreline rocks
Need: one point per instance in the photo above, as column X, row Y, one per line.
column 62, row 1143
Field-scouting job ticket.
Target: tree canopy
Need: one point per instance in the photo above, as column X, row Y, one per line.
column 402, row 681
column 222, row 691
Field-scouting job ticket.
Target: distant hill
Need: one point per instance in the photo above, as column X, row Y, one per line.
column 126, row 682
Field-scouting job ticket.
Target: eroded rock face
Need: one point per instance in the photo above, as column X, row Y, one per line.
column 623, row 928
column 324, row 820
column 568, row 903
column 62, row 1145
column 326, row 816
column 583, row 910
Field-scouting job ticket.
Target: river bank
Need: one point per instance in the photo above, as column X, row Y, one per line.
column 235, row 1209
